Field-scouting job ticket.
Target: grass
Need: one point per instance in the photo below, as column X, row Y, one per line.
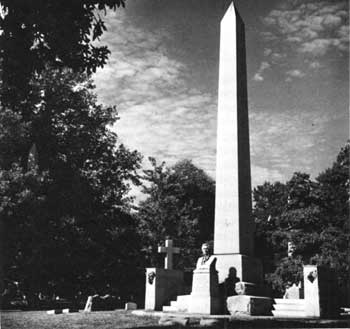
column 95, row 320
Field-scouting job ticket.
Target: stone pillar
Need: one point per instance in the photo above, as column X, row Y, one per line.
column 320, row 291
column 234, row 227
column 162, row 285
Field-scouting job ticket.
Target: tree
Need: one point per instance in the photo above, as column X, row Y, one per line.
column 179, row 205
column 36, row 33
column 67, row 221
column 314, row 216
column 269, row 203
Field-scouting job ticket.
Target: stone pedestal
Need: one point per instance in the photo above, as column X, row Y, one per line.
column 162, row 285
column 321, row 293
column 248, row 269
column 205, row 290
column 249, row 305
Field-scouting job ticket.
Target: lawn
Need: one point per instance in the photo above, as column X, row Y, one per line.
column 95, row 320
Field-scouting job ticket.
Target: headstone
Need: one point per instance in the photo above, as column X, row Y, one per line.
column 88, row 305
column 51, row 312
column 69, row 310
column 169, row 250
column 130, row 306
column 234, row 226
column 321, row 293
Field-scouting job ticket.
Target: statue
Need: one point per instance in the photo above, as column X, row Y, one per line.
column 207, row 258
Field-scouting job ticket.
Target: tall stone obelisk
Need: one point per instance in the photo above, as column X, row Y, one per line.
column 234, row 227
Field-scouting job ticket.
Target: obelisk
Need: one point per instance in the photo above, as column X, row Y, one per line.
column 234, row 227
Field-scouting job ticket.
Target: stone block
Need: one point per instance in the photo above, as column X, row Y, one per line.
column 162, row 285
column 69, row 310
column 51, row 312
column 130, row 306
column 204, row 305
column 249, row 305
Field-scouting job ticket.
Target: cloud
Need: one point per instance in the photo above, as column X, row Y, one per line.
column 161, row 114
column 315, row 65
column 284, row 142
column 258, row 75
column 319, row 47
column 267, row 51
column 307, row 29
column 295, row 74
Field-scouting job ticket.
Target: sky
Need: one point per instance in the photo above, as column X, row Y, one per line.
column 162, row 75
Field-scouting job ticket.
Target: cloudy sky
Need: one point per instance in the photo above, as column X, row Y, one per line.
column 163, row 76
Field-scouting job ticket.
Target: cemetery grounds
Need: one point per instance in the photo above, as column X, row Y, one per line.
column 91, row 320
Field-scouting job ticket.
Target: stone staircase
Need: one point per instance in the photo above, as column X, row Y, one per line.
column 180, row 305
column 289, row 308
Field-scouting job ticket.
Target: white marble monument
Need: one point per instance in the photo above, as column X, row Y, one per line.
column 234, row 227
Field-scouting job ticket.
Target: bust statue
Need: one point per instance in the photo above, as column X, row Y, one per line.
column 207, row 259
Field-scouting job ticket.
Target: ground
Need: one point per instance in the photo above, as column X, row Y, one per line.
column 94, row 320
column 124, row 319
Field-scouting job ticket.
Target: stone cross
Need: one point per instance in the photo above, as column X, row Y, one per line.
column 169, row 250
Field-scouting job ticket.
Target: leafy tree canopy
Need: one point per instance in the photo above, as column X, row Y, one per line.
column 48, row 31
column 66, row 217
column 179, row 205
column 313, row 215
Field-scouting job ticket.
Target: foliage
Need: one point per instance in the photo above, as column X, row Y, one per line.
column 313, row 215
column 46, row 31
column 179, row 205
column 67, row 220
column 289, row 270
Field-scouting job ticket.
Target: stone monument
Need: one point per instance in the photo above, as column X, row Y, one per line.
column 163, row 284
column 204, row 297
column 234, row 226
column 169, row 250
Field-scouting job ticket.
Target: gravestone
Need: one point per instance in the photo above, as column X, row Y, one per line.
column 163, row 284
column 130, row 306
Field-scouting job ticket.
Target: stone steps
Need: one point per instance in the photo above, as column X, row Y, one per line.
column 181, row 304
column 289, row 308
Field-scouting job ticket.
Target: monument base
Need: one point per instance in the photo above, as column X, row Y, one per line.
column 248, row 269
column 204, row 305
column 205, row 288
column 249, row 305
